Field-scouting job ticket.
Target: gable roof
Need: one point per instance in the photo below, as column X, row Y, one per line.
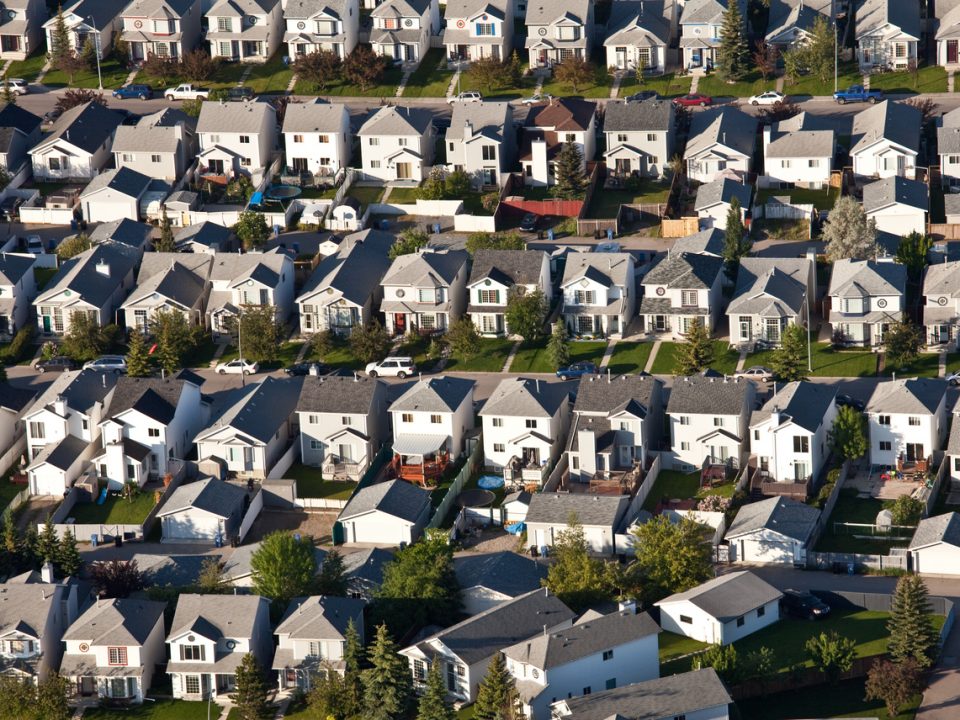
column 216, row 117
column 685, row 270
column 650, row 114
column 367, row 565
column 894, row 190
column 544, row 12
column 16, row 399
column 508, row 267
column 25, row 607
column 147, row 138
column 232, row 616
column 14, row 116
column 942, row 278
column 309, row 8
column 211, row 495
column 206, row 233
column 258, row 410
column 441, row 393
column 606, row 394
column 86, row 126
column 801, row 14
column 506, row 573
column 79, row 389
column 315, row 117
column 729, row 596
column 124, row 231
column 156, row 398
column 801, row 402
column 400, row 499
column 487, row 118
column 859, row 278
column 722, row 190
column 943, row 528
column 907, row 395
column 158, row 8
column 356, row 269
column 523, row 397
column 801, row 143
column 118, row 621
column 705, row 242
column 560, row 114
column 61, row 455
column 320, row 617
column 609, row 269
column 888, row 120
column 591, row 510
column 725, row 126
column 79, row 274
column 335, row 394
column 634, row 23
column 101, row 12
column 770, row 287
column 122, row 180
column 179, row 283
column 875, row 14
column 785, row 516
column 14, row 267
column 710, row 396
column 398, row 120
column 426, row 269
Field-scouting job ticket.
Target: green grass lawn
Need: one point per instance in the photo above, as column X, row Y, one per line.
column 28, row 69
column 673, row 646
column 666, row 85
column 849, row 74
column 853, row 509
column 416, row 348
column 843, row 700
column 606, row 203
column 387, row 87
column 599, row 87
column 366, row 194
column 533, row 358
column 8, row 490
column 160, row 710
column 629, row 357
column 310, row 484
column 42, row 276
column 724, row 358
column 202, row 355
column 404, row 195
column 929, row 79
column 953, row 362
column 339, row 357
column 679, row 485
column 828, row 362
column 820, row 199
column 431, row 78
column 493, row 354
column 271, row 77
column 752, row 84
column 114, row 75
column 115, row 510
column 789, row 230
column 926, row 365
column 666, row 358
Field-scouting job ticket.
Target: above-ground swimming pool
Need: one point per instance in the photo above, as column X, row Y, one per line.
column 490, row 482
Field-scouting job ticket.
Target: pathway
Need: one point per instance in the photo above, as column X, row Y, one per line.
column 403, row 83
column 942, row 365
column 513, row 353
column 781, row 82
column 950, row 80
column 742, row 361
column 292, row 84
column 6, row 68
column 653, row 356
column 218, row 353
column 43, row 73
column 131, row 76
column 303, row 352
column 608, row 353
column 941, row 701
column 452, row 87
column 615, row 86
column 694, row 84
column 245, row 75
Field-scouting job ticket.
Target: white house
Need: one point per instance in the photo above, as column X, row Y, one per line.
column 77, row 146
column 775, row 531
column 18, row 288
column 168, row 282
column 887, row 34
column 558, row 29
column 547, row 128
column 897, row 204
column 402, row 29
column 161, row 28
column 19, row 131
column 701, row 23
column 312, row 26
column 721, row 140
column 114, row 194
column 709, row 419
column 316, row 137
column 113, row 649
column 679, row 288
column 941, row 309
column 600, row 518
column 209, row 636
column 640, row 136
column 599, row 293
column 207, row 511
column 946, row 28
column 244, row 30
column 14, row 403
column 251, row 279
column 948, row 145
column 797, row 152
column 722, row 610
column 791, row 21
column 397, row 143
column 236, row 138
column 478, row 29
column 907, row 421
column 639, row 33
column 388, row 513
column 93, row 21
column 161, row 145
column 866, row 297
column 497, row 273
column 21, row 28
column 425, row 292
column 885, row 140
column 490, row 579
column 715, row 199
column 771, row 295
column 935, row 547
column 482, row 142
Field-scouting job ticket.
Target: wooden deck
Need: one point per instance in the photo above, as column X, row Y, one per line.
column 425, row 473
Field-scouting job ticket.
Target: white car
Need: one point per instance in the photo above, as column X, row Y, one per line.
column 392, row 367
column 537, row 98
column 18, row 86
column 954, row 379
column 236, row 367
column 757, row 372
column 466, row 96
column 113, row 363
column 771, row 97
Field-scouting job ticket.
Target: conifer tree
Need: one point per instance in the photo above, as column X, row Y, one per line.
column 59, row 38
column 734, row 55
column 386, row 683
column 789, row 361
column 250, row 698
column 138, row 355
column 68, row 556
column 497, row 693
column 557, row 349
column 433, row 702
column 352, row 676
column 165, row 243
column 48, row 543
column 912, row 635
column 571, row 180
column 696, row 353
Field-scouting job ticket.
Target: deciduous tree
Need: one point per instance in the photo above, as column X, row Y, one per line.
column 722, row 658
column 74, row 245
column 526, row 313
column 85, row 339
column 696, row 353
column 905, row 510
column 116, row 578
column 893, row 683
column 386, row 683
column 927, row 107
column 671, row 557
column 781, row 110
column 251, row 229
column 832, row 654
column 319, row 68
column 370, row 342
column 283, row 567
column 409, row 242
column 575, row 71
column 848, row 233
column 363, row 68
column 902, row 343
column 163, row 69
column 912, row 252
column 326, row 699
column 912, row 635
column 463, row 339
column 174, row 336
column 197, row 65
column 262, row 333
column 789, row 361
column 848, row 437
column 574, row 575
column 332, row 578
column 765, row 58
column 487, row 73
column 495, row 241
column 210, row 580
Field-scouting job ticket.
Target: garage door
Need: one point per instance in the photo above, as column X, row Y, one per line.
column 766, row 552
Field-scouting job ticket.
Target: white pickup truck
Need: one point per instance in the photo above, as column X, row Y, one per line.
column 186, row 91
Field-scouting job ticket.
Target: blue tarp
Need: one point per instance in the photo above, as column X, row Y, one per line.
column 516, row 528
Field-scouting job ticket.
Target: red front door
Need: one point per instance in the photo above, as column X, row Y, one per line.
column 400, row 323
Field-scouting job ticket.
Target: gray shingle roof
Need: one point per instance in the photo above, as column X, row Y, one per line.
column 591, row 510
column 857, row 278
column 802, row 402
column 953, row 443
column 894, row 191
column 357, row 268
column 802, row 144
column 604, row 394
column 14, row 116
column 122, row 180
column 610, row 269
column 227, row 117
column 519, row 267
column 177, row 570
column 722, row 190
column 544, row 12
column 206, row 233
column 146, row 138
column 782, row 515
column 86, row 126
column 400, row 120
column 154, row 397
column 889, row 120
column 16, row 399
column 63, row 454
column 770, row 287
column 705, row 242
column 232, row 616
column 366, row 566
column 640, row 24
column 938, row 529
column 183, row 284
column 523, row 397
column 238, row 565
column 786, row 14
column 102, row 12
column 337, row 394
column 728, row 596
column 315, row 117
column 685, row 270
column 393, row 497
column 874, row 14
column 710, row 396
column 117, row 622
column 507, row 573
column 125, row 231
column 14, row 267
column 25, row 607
column 426, row 269
column 156, row 8
column 729, row 127
column 487, row 118
column 80, row 275
column 258, row 410
column 907, row 395
column 435, row 394
column 651, row 114
column 309, row 8
column 320, row 617
column 80, row 389
column 217, row 497
column 948, row 137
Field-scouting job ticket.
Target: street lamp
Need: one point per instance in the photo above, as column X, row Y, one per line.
column 96, row 35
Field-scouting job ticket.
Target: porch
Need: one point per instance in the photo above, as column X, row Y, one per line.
column 763, row 485
column 607, row 482
column 335, row 467
column 420, row 459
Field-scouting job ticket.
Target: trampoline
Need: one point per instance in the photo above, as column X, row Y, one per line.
column 475, row 498
column 490, row 482
column 282, row 192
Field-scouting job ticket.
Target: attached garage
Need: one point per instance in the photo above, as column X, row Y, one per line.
column 776, row 531
column 387, row 513
column 935, row 548
column 55, row 469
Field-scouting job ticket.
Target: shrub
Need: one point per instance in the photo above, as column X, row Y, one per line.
column 20, row 346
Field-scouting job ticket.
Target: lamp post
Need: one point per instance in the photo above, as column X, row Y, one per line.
column 96, row 35
column 835, row 67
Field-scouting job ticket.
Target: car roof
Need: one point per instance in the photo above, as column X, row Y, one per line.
column 401, row 358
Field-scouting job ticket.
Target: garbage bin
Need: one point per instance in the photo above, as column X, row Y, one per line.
column 118, row 541
column 93, row 540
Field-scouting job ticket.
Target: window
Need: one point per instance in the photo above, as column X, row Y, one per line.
column 126, row 157
column 419, row 670
column 298, row 138
column 956, row 464
column 485, row 29
column 953, row 159
column 718, row 422
column 346, row 420
column 886, row 445
column 155, row 158
column 117, row 656
column 813, row 163
column 402, row 142
column 785, row 163
column 53, row 163
column 435, row 419
column 406, row 417
column 323, row 138
column 761, row 611
column 900, row 50
column 653, row 160
column 584, row 297
column 37, row 430
column 621, row 137
column 801, row 444
column 461, row 671
column 684, row 446
column 686, row 619
column 651, row 137
column 913, row 421
column 489, row 152
column 684, row 419
column 570, row 138
column 489, row 297
column 373, row 142
column 499, row 447
column 575, row 462
column 374, row 164
column 226, row 50
column 625, row 426
column 244, row 139
column 497, row 422
column 607, row 655
column 193, row 684
column 611, row 683
column 153, row 432
column 192, row 652
column 756, row 434
column 427, row 322
column 214, row 138
column 531, row 423
column 85, row 424
column 131, row 471
column 883, row 419
column 688, row 298
column 223, row 24
column 314, row 649
column 245, row 162
column 316, row 445
column 740, row 621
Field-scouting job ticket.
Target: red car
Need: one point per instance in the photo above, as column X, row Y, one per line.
column 694, row 100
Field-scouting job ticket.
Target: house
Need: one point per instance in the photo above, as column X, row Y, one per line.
column 161, row 145
column 494, row 276
column 722, row 610
column 465, row 649
column 941, row 291
column 175, row 570
column 343, row 424
column 390, row 513
column 705, row 242
column 600, row 517
column 245, row 30
column 948, row 145
column 481, row 141
column 715, row 199
column 797, row 152
column 945, row 26
column 935, row 547
column 253, row 428
column 168, row 282
column 150, row 422
column 114, row 194
column 94, row 282
column 161, row 28
column 207, row 510
column 402, row 29
column 13, row 404
column 204, row 237
column 771, row 295
column 695, row 695
column 525, row 423
column 113, row 649
column 316, row 136
column 898, row 205
column 907, row 421
column 208, row 639
column 639, row 33
column 363, row 571
column 252, row 279
column 776, row 530
column 490, row 579
column 397, row 143
column 789, row 435
column 550, row 125
column 236, row 138
column 721, row 140
column 78, row 145
column 18, row 288
column 885, row 140
column 709, row 421
column 887, row 35
column 312, row 26
column 237, row 570
column 88, row 21
column 679, row 288
column 124, row 231
column 557, row 30
column 425, row 292
column 478, row 29
column 866, row 297
column 599, row 294
column 21, row 28
column 311, row 639
column 19, row 131
column 701, row 25
column 791, row 21
column 640, row 136
column 344, row 290
column 617, row 422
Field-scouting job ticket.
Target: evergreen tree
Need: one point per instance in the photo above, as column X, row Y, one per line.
column 11, row 541
column 174, row 338
column 68, row 556
column 51, row 702
column 912, row 635
column 326, row 699
column 433, row 702
column 571, row 180
column 138, row 355
column 696, row 353
column 848, row 233
column 386, row 683
column 735, row 244
column 734, row 54
column 262, row 333
column 789, row 361
column 250, row 697
column 497, row 693
column 557, row 349
column 353, row 673
column 463, row 339
column 165, row 243
column 48, row 544
column 59, row 39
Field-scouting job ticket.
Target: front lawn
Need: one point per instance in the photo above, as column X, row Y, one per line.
column 849, row 74
column 491, row 357
column 599, row 87
column 677, row 485
column 431, row 78
column 953, row 362
column 666, row 358
column 114, row 511
column 820, row 199
column 750, row 85
column 310, row 484
column 114, row 75
column 928, row 79
column 387, row 87
column 667, row 85
column 851, row 508
column 828, row 362
column 725, row 358
column 28, row 69
column 843, row 700
column 339, row 357
column 159, row 710
column 629, row 357
column 417, row 348
column 532, row 358
column 271, row 77
column 926, row 365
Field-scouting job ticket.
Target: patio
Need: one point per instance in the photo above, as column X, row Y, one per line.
column 886, row 485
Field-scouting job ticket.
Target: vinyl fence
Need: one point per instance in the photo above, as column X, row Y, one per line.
column 279, row 470
column 443, row 509
column 253, row 511
column 934, row 491
column 778, row 208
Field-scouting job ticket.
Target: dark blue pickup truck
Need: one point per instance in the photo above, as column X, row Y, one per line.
column 857, row 93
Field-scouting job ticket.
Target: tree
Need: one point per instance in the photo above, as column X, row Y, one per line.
column 640, row 71
column 463, row 339
column 574, row 576
column 192, row 107
column 161, row 68
column 848, row 437
column 370, row 342
column 409, row 242
column 88, row 54
column 902, row 343
column 210, row 579
column 457, row 185
column 261, row 333
column 48, row 543
column 927, row 107
column 251, row 229
column 671, row 557
column 526, row 313
column 905, row 510
column 332, row 578
column 352, row 670
column 848, row 233
column 73, row 246
column 326, row 699
column 175, row 338
column 723, row 659
column 166, row 242
column 818, row 53
column 696, row 353
column 514, row 69
column 765, row 58
column 116, row 578
column 575, row 71
column 318, row 68
column 386, row 683
column 85, row 339
column 831, row 654
column 780, row 110
column 558, row 352
column 761, row 665
column 495, row 241
column 138, row 355
column 363, row 68
column 789, row 361
column 433, row 702
column 59, row 39
column 571, row 180
column 250, row 696
column 486, row 72
column 434, row 187
column 734, row 56
column 283, row 567
column 197, row 65
column 68, row 555
column 497, row 697
column 912, row 253
column 8, row 96
column 52, row 694
column 893, row 683
column 912, row 635
column 735, row 243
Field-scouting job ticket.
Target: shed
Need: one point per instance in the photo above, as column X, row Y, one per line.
column 935, row 547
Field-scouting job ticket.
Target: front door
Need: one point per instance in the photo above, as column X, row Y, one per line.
column 247, row 459
column 951, row 51
column 621, row 58
column 745, row 331
column 88, row 685
column 46, row 323
column 403, row 171
column 215, row 167
column 400, row 323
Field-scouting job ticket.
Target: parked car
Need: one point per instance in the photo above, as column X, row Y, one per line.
column 35, row 244
column 844, row 400
column 55, row 364
column 953, row 379
column 528, row 222
column 641, row 96
column 857, row 93
column 10, row 208
column 770, row 97
column 186, row 91
column 128, row 92
column 240, row 93
column 51, row 116
column 393, row 366
column 576, row 370
column 466, row 96
column 236, row 367
column 307, row 368
column 18, row 86
column 537, row 97
column 693, row 100
column 757, row 372
column 804, row 605
column 113, row 363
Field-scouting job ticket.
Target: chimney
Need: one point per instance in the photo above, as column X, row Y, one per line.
column 467, row 131
column 46, row 572
column 103, row 268
column 60, row 405
column 608, row 376
column 627, row 606
column 538, row 385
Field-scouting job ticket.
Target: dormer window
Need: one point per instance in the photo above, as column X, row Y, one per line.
column 117, row 656
column 568, row 33
column 223, row 24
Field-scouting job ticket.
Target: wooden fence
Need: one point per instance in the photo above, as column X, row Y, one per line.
column 443, row 509
column 944, row 231
column 679, row 228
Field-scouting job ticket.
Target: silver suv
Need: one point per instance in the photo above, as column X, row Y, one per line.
column 399, row 367
column 113, row 363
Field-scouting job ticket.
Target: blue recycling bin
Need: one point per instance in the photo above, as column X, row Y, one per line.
column 436, row 228
column 218, row 540
column 93, row 540
column 550, row 235
column 609, row 233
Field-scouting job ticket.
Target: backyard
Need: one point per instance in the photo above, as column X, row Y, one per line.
column 843, row 700
column 677, row 485
column 724, row 358
column 532, row 357
column 851, row 508
column 366, row 194
column 490, row 358
column 629, row 357
column 8, row 489
column 115, row 510
column 828, row 362
column 820, row 199
column 606, row 203
column 310, row 484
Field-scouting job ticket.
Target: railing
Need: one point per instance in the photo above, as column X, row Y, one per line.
column 336, row 469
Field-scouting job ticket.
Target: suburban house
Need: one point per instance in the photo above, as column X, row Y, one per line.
column 606, row 652
column 640, row 136
column 948, row 142
column 161, row 145
column 907, row 421
column 161, row 28
column 941, row 303
column 600, row 516
column 21, row 27
column 791, row 21
column 525, row 423
column 18, row 288
column 425, row 292
column 898, row 205
column 77, row 146
column 204, row 237
column 550, row 125
column 14, row 403
column 935, row 547
column 494, row 276
column 402, row 29
column 789, row 435
column 312, row 26
column 866, row 297
column 798, row 151
column 344, row 290
column 721, row 140
column 885, row 140
column 316, row 137
column 771, row 295
column 775, row 530
column 558, row 29
column 887, row 35
column 244, row 30
column 709, row 422
column 715, row 199
column 722, row 610
column 236, row 138
column 704, row 242
column 465, row 649
column 251, row 279
column 204, row 511
column 945, row 26
column 481, row 141
column 392, row 513
column 93, row 21
column 701, row 23
column 490, row 579
column 638, row 34
column 19, row 131
column 117, row 193
column 311, row 639
column 113, row 649
column 168, row 282
column 209, row 637
column 343, row 424
column 478, row 29
column 599, row 294
column 397, row 143
column 124, row 231
column 679, row 288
